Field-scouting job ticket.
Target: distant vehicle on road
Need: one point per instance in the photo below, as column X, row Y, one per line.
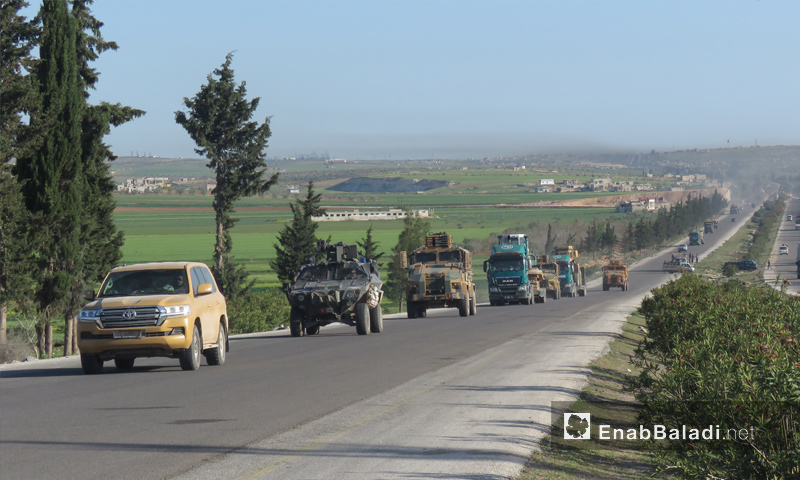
column 733, row 219
column 744, row 265
column 683, row 248
column 789, row 218
column 783, row 250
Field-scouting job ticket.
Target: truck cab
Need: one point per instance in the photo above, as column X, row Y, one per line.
column 507, row 271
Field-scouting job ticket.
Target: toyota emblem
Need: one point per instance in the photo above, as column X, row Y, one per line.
column 129, row 314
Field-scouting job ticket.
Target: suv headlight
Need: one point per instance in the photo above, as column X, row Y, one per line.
column 175, row 311
column 90, row 316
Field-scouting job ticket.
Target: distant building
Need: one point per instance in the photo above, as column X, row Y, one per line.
column 293, row 190
column 547, row 182
column 357, row 214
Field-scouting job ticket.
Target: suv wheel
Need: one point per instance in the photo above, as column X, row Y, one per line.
column 376, row 319
column 91, row 364
column 473, row 305
column 190, row 358
column 216, row 356
column 362, row 319
column 124, row 363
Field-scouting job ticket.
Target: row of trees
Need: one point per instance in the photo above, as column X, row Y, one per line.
column 57, row 234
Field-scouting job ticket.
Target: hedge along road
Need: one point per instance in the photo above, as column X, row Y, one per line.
column 442, row 396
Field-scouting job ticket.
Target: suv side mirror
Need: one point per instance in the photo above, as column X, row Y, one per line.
column 204, row 289
column 88, row 295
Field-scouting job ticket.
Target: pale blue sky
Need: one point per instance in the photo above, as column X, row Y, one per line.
column 445, row 78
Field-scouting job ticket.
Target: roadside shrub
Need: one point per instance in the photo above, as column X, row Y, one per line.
column 728, row 358
column 729, row 270
column 258, row 311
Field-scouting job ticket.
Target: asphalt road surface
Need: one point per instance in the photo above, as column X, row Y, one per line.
column 783, row 267
column 436, row 397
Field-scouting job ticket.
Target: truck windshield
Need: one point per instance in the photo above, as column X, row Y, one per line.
column 450, row 257
column 507, row 264
column 145, row 282
column 424, row 257
column 349, row 271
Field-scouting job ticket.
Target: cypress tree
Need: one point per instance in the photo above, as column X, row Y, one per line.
column 219, row 120
column 369, row 247
column 410, row 238
column 17, row 97
column 51, row 176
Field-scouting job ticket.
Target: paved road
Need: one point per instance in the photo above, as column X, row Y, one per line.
column 439, row 397
column 783, row 267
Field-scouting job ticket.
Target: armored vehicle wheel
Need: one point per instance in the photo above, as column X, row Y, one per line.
column 412, row 309
column 473, row 305
column 190, row 358
column 217, row 356
column 463, row 307
column 312, row 330
column 91, row 364
column 124, row 363
column 296, row 322
column 376, row 319
column 625, row 287
column 362, row 319
column 582, row 293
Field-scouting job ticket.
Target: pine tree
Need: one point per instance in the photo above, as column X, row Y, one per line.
column 369, row 247
column 219, row 120
column 297, row 242
column 51, row 176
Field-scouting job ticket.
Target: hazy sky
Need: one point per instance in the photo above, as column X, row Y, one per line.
column 445, row 78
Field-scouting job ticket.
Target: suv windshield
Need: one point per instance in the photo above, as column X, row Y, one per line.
column 145, row 282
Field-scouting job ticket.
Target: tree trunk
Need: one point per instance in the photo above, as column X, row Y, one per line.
column 40, row 343
column 69, row 329
column 48, row 334
column 75, row 349
column 3, row 323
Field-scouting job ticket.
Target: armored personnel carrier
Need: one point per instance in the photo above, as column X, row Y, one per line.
column 341, row 288
column 439, row 276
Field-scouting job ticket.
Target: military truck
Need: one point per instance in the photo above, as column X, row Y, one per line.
column 734, row 210
column 696, row 237
column 509, row 271
column 550, row 271
column 571, row 273
column 615, row 274
column 341, row 288
column 708, row 227
column 439, row 276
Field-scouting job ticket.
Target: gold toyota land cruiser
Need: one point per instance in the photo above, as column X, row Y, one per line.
column 170, row 309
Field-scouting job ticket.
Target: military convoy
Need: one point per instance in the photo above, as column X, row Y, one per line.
column 571, row 273
column 439, row 276
column 550, row 270
column 340, row 288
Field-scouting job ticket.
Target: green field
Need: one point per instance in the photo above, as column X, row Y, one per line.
column 162, row 227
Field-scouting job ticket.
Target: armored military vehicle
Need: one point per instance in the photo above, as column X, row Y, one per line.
column 615, row 274
column 341, row 288
column 439, row 276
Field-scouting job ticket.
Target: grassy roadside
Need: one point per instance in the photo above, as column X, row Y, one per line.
column 586, row 459
column 607, row 399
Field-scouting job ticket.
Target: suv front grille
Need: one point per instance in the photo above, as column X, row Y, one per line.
column 130, row 317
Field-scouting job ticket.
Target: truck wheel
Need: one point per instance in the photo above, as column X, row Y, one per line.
column 124, row 363
column 473, row 305
column 216, row 356
column 463, row 307
column 190, row 358
column 362, row 319
column 296, row 322
column 91, row 364
column 312, row 330
column 376, row 319
column 582, row 293
column 422, row 312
